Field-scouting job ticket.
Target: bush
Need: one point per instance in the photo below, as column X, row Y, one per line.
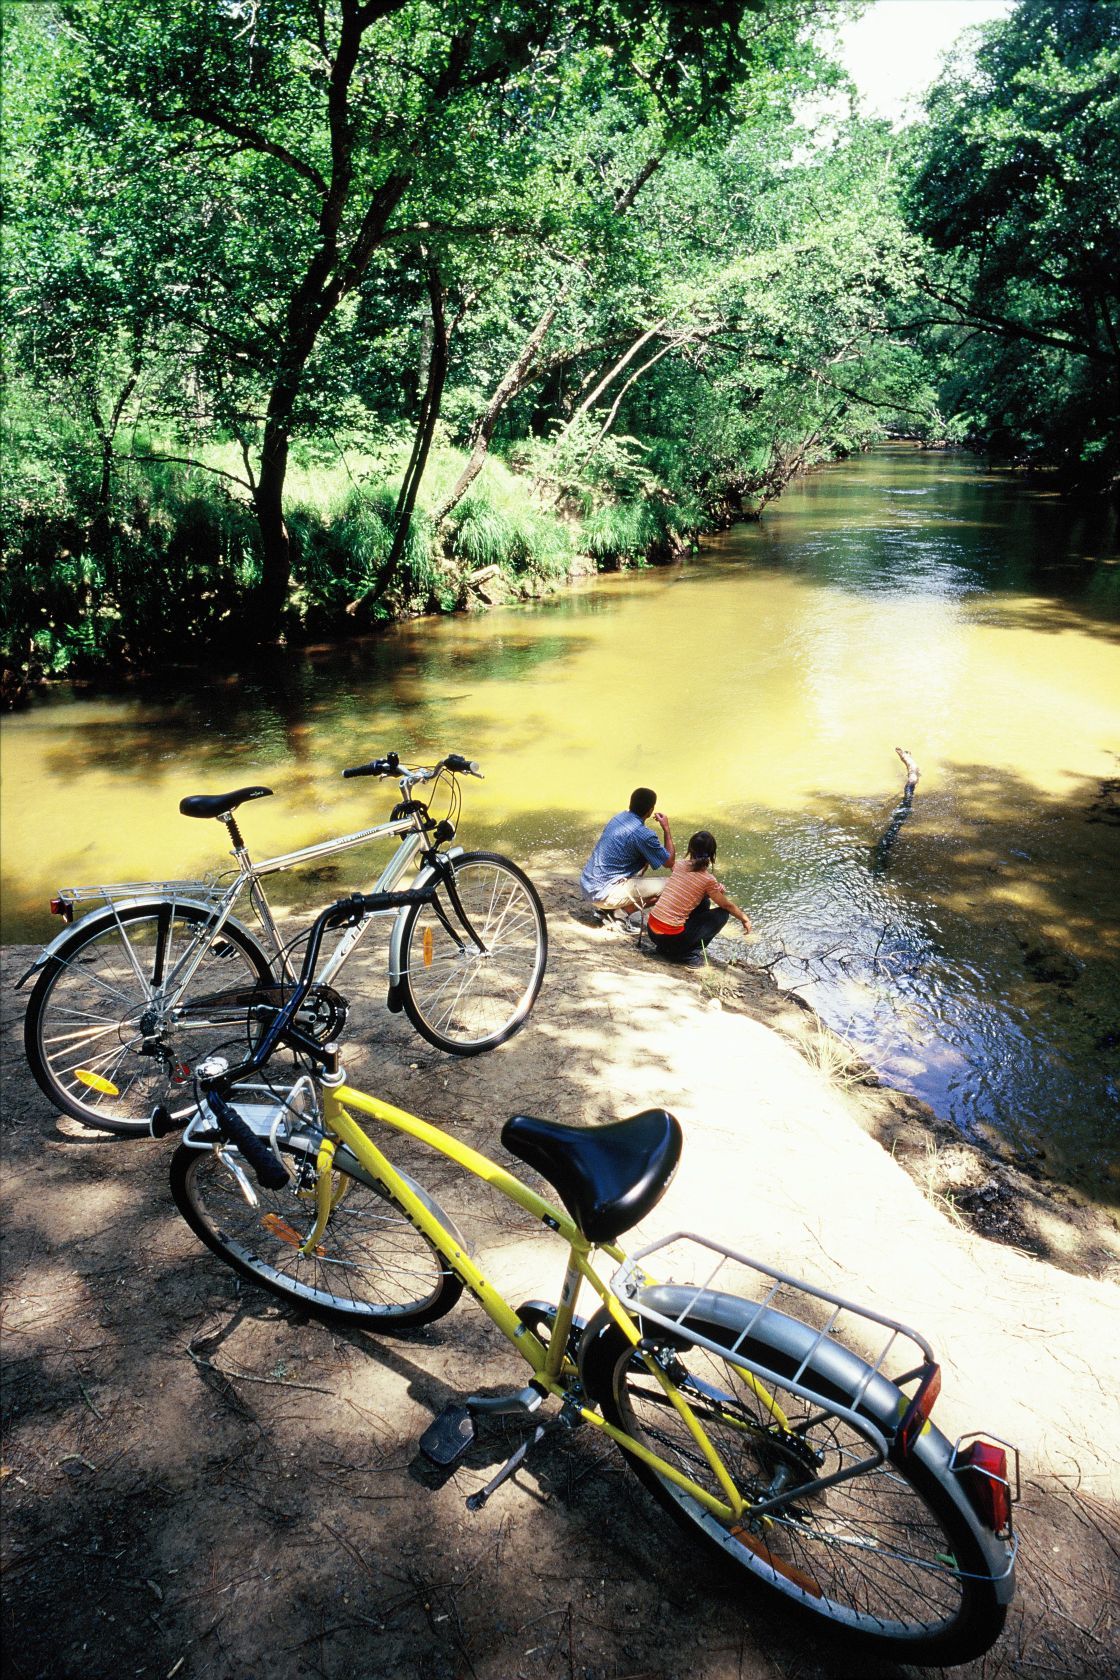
column 496, row 524
column 641, row 528
column 125, row 584
column 336, row 560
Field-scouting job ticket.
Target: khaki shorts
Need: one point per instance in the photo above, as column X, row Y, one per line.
column 639, row 890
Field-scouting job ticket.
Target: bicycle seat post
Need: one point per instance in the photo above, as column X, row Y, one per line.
column 240, row 850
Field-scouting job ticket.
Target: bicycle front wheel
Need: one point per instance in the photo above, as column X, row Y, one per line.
column 889, row 1556
column 463, row 996
column 104, row 1041
column 370, row 1267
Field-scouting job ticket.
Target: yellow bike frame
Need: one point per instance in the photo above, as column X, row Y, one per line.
column 552, row 1367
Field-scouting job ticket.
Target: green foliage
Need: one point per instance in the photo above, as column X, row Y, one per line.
column 338, row 558
column 497, row 524
column 603, row 215
column 1015, row 183
column 163, row 571
column 639, row 529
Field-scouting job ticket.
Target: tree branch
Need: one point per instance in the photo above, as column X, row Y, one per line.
column 189, row 461
column 1007, row 328
column 253, row 141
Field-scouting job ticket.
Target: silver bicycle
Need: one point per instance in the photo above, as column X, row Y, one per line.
column 130, row 998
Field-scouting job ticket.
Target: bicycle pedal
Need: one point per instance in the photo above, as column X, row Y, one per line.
column 448, row 1436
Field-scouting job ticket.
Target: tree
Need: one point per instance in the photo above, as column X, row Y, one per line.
column 1015, row 184
column 345, row 128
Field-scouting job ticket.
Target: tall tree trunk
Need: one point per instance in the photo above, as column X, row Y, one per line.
column 513, row 381
column 268, row 503
column 425, row 430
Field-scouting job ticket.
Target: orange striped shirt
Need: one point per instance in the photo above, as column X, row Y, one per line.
column 680, row 895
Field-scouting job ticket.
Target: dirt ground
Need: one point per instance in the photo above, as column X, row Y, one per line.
column 199, row 1481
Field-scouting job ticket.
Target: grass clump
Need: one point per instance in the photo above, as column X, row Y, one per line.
column 339, row 555
column 831, row 1056
column 640, row 528
column 498, row 524
column 717, row 982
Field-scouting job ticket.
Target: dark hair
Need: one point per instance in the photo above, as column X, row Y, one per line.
column 702, row 849
column 642, row 802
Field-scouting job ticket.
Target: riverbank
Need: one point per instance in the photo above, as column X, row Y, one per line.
column 187, row 1463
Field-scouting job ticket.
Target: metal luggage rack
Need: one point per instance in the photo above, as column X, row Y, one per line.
column 209, row 888
column 825, row 1312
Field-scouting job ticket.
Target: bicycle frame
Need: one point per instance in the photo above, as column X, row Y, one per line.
column 552, row 1367
column 412, row 841
column 219, row 904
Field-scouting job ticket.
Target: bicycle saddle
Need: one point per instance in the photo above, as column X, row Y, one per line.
column 608, row 1177
column 213, row 804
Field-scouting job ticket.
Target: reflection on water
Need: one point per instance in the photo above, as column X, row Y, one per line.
column 899, row 600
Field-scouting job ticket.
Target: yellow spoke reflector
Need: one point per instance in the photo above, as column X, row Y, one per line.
column 789, row 1571
column 96, row 1082
column 286, row 1233
column 427, row 947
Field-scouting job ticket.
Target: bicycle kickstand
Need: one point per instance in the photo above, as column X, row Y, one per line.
column 476, row 1501
column 449, row 1435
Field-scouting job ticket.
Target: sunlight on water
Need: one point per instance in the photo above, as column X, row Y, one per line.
column 902, row 599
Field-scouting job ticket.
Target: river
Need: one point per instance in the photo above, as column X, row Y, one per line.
column 903, row 599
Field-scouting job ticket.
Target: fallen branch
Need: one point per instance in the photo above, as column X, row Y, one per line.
column 880, row 854
column 243, row 1376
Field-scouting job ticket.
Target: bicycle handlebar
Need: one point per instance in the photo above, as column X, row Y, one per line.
column 387, row 766
column 391, row 765
column 270, row 1173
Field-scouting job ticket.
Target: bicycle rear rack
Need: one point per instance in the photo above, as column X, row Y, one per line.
column 631, row 1276
column 210, row 889
column 826, row 1313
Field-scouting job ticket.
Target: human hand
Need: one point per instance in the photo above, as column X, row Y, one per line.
column 746, row 923
column 662, row 819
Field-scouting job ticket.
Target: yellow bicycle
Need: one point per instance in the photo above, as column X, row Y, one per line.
column 778, row 1446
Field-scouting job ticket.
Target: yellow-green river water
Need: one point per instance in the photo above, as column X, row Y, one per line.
column 902, row 599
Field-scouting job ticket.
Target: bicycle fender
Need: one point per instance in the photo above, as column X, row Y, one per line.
column 401, row 917
column 786, row 1346
column 107, row 916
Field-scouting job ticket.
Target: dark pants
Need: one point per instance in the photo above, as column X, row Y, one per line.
column 700, row 929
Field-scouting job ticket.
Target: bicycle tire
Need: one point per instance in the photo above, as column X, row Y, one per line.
column 373, row 1267
column 460, row 1000
column 86, row 1011
column 892, row 1560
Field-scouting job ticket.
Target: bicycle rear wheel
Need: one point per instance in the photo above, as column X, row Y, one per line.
column 461, row 998
column 371, row 1267
column 889, row 1557
column 100, row 1041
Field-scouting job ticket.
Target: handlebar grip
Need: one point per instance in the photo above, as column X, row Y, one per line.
column 269, row 1172
column 462, row 765
column 163, row 1122
column 387, row 766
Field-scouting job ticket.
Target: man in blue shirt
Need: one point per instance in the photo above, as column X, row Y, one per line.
column 614, row 875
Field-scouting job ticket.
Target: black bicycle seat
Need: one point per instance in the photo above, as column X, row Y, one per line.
column 608, row 1177
column 214, row 804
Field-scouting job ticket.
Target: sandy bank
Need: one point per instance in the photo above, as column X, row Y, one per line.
column 159, row 1511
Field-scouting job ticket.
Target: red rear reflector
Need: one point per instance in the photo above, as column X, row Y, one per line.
column 62, row 907
column 983, row 1470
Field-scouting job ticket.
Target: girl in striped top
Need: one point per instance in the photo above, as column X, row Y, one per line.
column 693, row 906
